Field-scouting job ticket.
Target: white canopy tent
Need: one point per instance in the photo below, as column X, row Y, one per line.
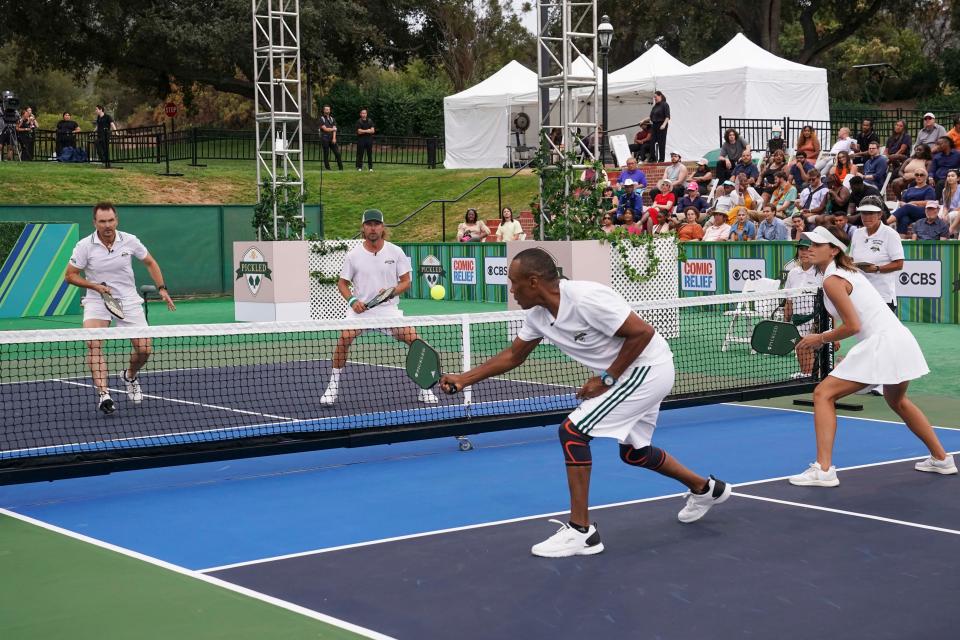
column 741, row 80
column 477, row 121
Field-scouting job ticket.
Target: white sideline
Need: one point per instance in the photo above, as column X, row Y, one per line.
column 256, row 595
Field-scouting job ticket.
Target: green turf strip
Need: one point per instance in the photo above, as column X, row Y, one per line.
column 55, row 586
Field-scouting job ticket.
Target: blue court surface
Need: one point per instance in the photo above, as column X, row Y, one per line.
column 421, row 540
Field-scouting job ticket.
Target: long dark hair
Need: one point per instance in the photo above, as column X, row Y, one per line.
column 663, row 98
column 466, row 216
column 506, row 209
column 726, row 135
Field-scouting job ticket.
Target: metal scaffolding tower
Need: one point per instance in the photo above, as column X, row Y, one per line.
column 278, row 115
column 566, row 30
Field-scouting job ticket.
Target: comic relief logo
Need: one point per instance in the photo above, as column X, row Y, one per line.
column 431, row 270
column 254, row 267
column 698, row 275
column 743, row 270
column 463, row 271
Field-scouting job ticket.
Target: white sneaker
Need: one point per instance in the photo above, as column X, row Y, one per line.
column 698, row 504
column 815, row 476
column 134, row 392
column 567, row 541
column 427, row 396
column 105, row 403
column 330, row 395
column 947, row 466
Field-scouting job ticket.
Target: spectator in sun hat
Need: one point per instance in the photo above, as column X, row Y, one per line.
column 629, row 199
column 717, row 229
column 702, row 176
column 932, row 226
column 930, row 132
column 676, row 173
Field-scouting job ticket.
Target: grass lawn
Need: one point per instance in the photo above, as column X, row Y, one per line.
column 397, row 190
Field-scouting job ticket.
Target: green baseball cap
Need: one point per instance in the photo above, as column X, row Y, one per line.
column 804, row 242
column 372, row 215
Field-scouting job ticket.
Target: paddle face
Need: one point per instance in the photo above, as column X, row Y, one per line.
column 112, row 304
column 423, row 364
column 774, row 338
column 381, row 297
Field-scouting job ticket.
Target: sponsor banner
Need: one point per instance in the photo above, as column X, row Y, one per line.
column 743, row 270
column 698, row 275
column 463, row 271
column 920, row 279
column 495, row 270
column 431, row 270
column 254, row 267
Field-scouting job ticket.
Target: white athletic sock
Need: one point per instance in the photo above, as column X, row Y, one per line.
column 335, row 377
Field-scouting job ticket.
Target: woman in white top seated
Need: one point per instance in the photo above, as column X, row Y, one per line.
column 886, row 353
column 509, row 229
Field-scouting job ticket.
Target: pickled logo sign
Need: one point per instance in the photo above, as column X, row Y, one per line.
column 254, row 267
column 463, row 271
column 698, row 275
column 431, row 270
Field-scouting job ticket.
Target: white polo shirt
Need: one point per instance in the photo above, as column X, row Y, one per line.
column 589, row 316
column 113, row 266
column 882, row 247
column 371, row 272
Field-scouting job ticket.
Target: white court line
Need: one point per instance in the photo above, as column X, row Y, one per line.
column 424, row 534
column 843, row 512
column 844, row 416
column 179, row 401
column 250, row 593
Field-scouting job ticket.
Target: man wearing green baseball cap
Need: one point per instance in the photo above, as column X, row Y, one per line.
column 369, row 269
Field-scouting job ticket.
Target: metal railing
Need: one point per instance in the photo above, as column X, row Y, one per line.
column 443, row 202
column 156, row 144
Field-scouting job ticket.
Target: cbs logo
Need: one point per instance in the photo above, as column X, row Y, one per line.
column 496, row 270
column 922, row 279
column 747, row 274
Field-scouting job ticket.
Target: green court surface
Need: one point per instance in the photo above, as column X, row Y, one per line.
column 52, row 583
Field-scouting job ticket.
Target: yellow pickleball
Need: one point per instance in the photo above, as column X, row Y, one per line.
column 437, row 292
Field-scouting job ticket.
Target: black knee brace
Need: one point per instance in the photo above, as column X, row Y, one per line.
column 576, row 446
column 649, row 457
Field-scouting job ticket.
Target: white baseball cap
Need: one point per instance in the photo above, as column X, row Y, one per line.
column 932, row 204
column 929, row 115
column 820, row 235
column 869, row 208
column 628, row 182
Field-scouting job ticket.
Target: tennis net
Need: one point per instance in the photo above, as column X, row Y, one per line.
column 234, row 386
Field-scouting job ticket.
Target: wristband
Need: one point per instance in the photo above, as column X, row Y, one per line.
column 351, row 301
column 161, row 287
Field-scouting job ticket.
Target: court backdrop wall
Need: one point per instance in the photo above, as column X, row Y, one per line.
column 928, row 287
column 192, row 243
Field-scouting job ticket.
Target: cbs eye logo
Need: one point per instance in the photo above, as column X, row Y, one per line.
column 747, row 274
column 918, row 278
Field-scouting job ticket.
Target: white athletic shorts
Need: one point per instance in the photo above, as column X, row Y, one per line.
column 94, row 309
column 628, row 411
column 377, row 313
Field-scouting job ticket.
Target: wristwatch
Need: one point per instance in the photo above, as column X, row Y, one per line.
column 607, row 379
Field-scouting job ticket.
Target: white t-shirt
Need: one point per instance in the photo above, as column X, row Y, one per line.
column 882, row 247
column 843, row 145
column 589, row 316
column 816, row 200
column 798, row 278
column 112, row 266
column 371, row 272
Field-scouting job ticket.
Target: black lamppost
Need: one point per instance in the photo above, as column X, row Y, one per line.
column 604, row 38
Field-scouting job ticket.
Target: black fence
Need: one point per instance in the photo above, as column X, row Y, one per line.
column 758, row 131
column 155, row 144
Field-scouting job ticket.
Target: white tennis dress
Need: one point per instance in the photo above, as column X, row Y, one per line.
column 886, row 352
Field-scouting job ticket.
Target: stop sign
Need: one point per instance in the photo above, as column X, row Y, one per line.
column 170, row 109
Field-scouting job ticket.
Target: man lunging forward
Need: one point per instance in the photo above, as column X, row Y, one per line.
column 370, row 268
column 105, row 257
column 593, row 324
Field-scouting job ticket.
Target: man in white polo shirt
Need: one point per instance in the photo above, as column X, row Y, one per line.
column 105, row 258
column 370, row 268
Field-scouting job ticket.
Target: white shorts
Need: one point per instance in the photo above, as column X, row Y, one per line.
column 94, row 309
column 628, row 411
column 383, row 312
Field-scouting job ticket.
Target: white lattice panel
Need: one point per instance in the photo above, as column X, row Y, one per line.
column 664, row 286
column 326, row 303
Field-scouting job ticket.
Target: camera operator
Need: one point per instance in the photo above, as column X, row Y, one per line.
column 9, row 143
column 25, row 130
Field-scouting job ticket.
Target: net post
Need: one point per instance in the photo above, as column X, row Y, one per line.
column 824, row 363
column 465, row 341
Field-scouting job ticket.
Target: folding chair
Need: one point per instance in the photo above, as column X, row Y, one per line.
column 749, row 311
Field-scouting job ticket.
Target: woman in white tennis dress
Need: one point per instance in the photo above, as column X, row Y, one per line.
column 886, row 353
